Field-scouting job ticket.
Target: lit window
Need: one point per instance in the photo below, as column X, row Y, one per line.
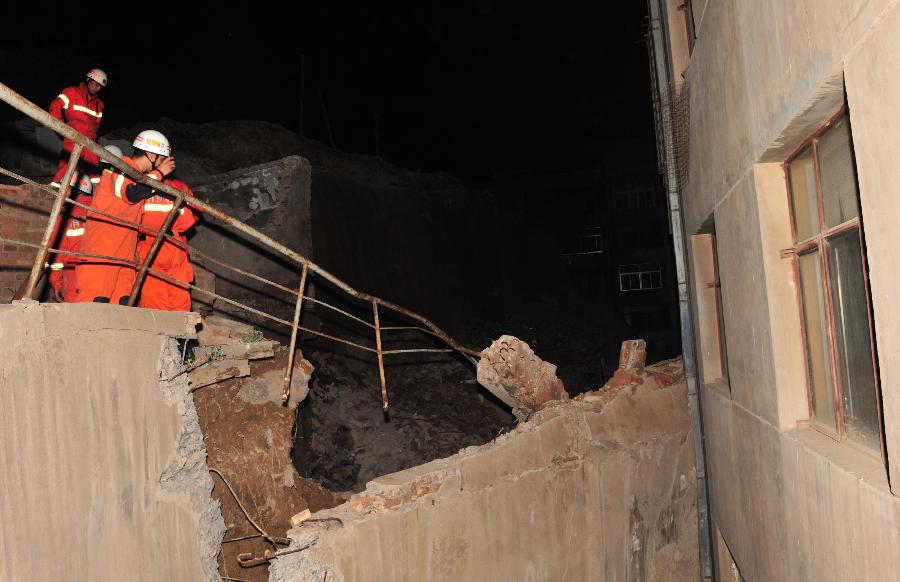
column 834, row 294
column 640, row 277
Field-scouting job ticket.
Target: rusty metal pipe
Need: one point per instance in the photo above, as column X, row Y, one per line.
column 289, row 373
column 38, row 267
column 171, row 279
column 31, row 110
column 384, row 399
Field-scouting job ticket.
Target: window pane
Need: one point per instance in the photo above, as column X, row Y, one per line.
column 803, row 195
column 839, row 188
column 817, row 338
column 852, row 339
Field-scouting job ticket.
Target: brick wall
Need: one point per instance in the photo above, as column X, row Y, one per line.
column 23, row 216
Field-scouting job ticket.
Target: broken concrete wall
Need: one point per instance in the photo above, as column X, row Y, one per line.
column 103, row 466
column 598, row 488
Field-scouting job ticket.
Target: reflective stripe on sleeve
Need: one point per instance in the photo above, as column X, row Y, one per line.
column 120, row 181
column 95, row 180
column 158, row 207
column 75, row 232
column 57, row 267
column 65, row 100
column 84, row 109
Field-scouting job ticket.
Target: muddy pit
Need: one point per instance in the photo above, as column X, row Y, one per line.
column 436, row 408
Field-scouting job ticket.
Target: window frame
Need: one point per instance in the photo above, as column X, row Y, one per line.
column 820, row 242
column 637, row 270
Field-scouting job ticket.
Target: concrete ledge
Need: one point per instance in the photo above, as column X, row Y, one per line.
column 59, row 318
column 103, row 465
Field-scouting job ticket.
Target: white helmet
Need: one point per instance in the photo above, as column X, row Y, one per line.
column 114, row 150
column 83, row 181
column 97, row 75
column 152, row 141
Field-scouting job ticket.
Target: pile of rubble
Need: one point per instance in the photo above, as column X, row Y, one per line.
column 237, row 377
column 225, row 351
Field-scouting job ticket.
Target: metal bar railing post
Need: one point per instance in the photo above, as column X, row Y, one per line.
column 289, row 373
column 384, row 398
column 51, row 229
column 154, row 248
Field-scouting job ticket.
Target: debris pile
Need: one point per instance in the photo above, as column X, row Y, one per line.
column 237, row 376
column 512, row 372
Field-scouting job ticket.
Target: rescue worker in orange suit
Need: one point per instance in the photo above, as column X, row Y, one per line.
column 171, row 258
column 104, row 280
column 62, row 269
column 81, row 108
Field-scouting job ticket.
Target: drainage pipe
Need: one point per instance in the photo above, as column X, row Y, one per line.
column 659, row 53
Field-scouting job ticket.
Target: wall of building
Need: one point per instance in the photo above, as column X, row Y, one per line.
column 791, row 503
column 599, row 488
column 103, row 466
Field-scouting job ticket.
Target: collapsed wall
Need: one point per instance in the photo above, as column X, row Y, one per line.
column 601, row 487
column 103, row 464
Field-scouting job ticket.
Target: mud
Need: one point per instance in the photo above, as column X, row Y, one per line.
column 249, row 437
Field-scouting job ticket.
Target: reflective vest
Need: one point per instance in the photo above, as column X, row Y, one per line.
column 78, row 108
column 157, row 207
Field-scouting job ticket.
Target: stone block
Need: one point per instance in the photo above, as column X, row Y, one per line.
column 510, row 370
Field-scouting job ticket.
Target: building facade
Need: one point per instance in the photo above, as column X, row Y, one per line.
column 779, row 137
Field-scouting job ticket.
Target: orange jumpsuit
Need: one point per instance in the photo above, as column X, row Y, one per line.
column 171, row 259
column 83, row 112
column 102, row 280
column 62, row 269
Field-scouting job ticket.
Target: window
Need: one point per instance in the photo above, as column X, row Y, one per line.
column 640, row 277
column 833, row 286
column 590, row 241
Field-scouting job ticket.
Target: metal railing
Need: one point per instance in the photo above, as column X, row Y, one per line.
column 305, row 266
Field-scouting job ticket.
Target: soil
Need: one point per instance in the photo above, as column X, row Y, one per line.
column 250, row 444
column 436, row 408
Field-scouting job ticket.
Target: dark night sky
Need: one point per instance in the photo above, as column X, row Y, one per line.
column 469, row 87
